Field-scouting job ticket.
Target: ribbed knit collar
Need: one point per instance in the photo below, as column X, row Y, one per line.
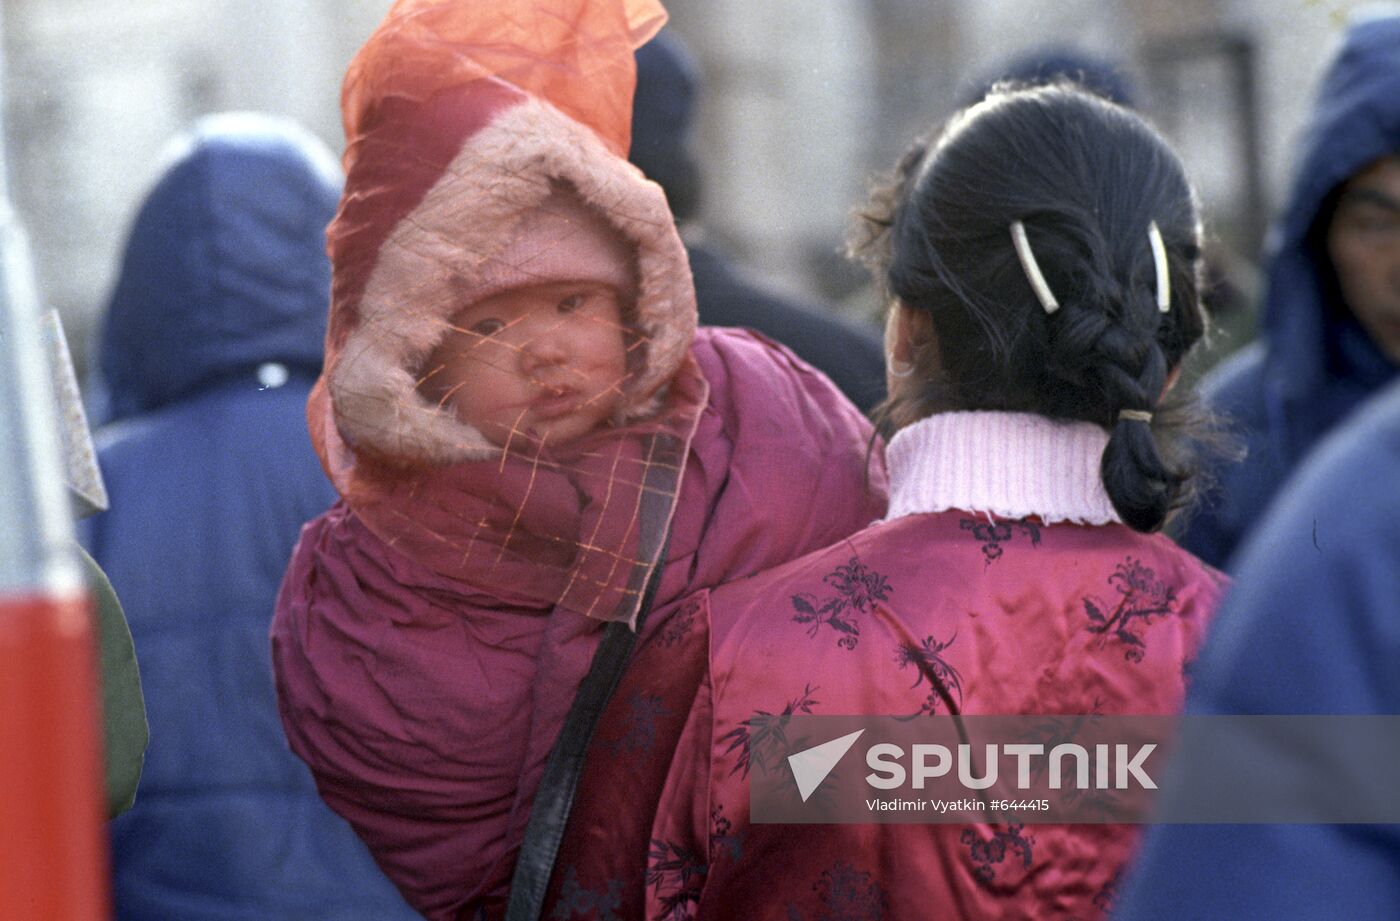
column 1005, row 464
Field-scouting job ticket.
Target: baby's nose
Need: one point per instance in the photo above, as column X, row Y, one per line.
column 546, row 348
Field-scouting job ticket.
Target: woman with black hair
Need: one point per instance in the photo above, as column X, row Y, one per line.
column 1041, row 255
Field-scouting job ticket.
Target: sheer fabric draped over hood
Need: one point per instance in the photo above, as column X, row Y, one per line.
column 461, row 120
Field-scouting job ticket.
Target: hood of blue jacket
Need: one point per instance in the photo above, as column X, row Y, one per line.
column 1355, row 121
column 225, row 267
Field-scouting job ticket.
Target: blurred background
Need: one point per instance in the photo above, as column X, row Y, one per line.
column 801, row 101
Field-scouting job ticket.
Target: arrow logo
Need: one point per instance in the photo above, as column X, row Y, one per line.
column 810, row 766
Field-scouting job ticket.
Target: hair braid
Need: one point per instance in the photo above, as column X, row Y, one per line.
column 1086, row 179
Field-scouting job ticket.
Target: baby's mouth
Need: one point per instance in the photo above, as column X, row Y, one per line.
column 554, row 402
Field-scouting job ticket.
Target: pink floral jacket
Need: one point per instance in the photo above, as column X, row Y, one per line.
column 1055, row 609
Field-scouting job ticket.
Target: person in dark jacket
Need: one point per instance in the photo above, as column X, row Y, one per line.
column 1311, row 626
column 1331, row 310
column 667, row 84
column 1040, row 65
column 211, row 342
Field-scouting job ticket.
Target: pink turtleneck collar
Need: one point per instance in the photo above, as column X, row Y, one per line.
column 1005, row 464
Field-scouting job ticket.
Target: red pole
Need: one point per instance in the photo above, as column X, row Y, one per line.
column 52, row 849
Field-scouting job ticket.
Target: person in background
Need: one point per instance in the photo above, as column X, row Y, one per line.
column 1331, row 307
column 1042, row 65
column 662, row 111
column 1310, row 626
column 211, row 341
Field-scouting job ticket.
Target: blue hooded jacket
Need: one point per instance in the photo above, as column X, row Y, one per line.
column 1314, row 363
column 212, row 341
column 1311, row 626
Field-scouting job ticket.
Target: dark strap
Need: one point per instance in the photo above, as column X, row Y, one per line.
column 555, row 798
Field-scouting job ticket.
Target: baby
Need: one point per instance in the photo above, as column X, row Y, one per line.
column 519, row 415
column 541, row 353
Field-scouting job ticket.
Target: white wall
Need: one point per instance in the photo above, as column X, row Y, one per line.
column 786, row 117
column 1296, row 38
column 95, row 88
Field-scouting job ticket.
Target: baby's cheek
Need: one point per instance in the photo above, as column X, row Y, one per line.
column 609, row 368
column 615, row 347
column 487, row 387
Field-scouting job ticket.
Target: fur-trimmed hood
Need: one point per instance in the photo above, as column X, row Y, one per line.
column 514, row 149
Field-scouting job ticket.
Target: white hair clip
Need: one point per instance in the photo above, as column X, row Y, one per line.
column 1159, row 259
column 1032, row 268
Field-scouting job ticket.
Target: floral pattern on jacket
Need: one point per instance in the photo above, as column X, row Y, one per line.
column 939, row 630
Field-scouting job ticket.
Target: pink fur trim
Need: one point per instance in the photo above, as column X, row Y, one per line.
column 500, row 171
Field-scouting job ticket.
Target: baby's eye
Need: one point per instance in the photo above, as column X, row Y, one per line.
column 488, row 327
column 572, row 302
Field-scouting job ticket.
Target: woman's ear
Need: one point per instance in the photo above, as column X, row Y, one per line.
column 908, row 334
column 911, row 358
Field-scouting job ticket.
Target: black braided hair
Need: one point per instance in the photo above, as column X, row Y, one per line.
column 1087, row 178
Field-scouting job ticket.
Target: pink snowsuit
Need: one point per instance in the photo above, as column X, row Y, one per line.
column 434, row 626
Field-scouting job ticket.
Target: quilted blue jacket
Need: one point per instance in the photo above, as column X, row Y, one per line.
column 212, row 340
column 1311, row 626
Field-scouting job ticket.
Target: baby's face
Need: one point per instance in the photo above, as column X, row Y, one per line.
column 545, row 362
